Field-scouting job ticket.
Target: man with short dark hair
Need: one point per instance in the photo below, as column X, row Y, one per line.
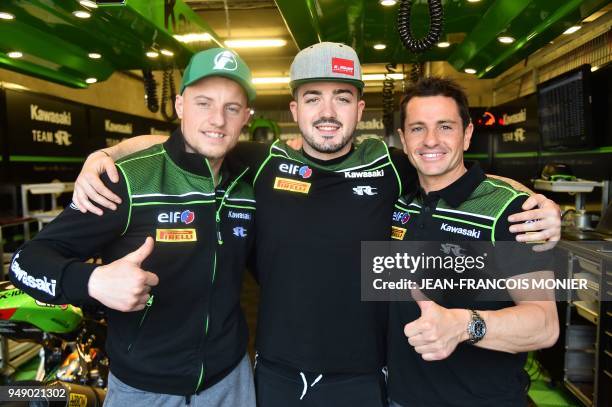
column 459, row 351
column 176, row 333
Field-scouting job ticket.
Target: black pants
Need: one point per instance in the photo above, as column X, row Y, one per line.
column 280, row 386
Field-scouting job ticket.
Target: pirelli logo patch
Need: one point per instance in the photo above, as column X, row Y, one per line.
column 397, row 233
column 175, row 235
column 291, row 185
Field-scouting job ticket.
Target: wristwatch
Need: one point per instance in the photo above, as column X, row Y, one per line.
column 477, row 328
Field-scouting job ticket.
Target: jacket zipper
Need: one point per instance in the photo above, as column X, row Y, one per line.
column 219, row 242
column 142, row 319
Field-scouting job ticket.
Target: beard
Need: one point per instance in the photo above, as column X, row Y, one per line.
column 324, row 147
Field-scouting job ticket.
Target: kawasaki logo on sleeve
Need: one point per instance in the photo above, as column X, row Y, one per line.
column 460, row 231
column 47, row 286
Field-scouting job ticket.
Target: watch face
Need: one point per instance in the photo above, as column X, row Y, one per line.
column 479, row 329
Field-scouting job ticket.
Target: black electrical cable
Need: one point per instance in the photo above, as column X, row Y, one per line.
column 416, row 72
column 150, row 87
column 168, row 96
column 388, row 100
column 436, row 23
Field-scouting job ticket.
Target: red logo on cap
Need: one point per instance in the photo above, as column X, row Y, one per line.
column 343, row 66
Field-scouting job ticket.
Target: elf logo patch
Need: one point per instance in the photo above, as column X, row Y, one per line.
column 403, row 217
column 225, row 61
column 303, row 171
column 175, row 235
column 185, row 217
column 343, row 66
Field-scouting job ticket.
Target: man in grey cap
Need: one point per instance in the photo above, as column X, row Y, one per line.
column 318, row 344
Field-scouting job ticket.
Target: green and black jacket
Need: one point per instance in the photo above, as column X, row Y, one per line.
column 312, row 216
column 192, row 333
column 473, row 208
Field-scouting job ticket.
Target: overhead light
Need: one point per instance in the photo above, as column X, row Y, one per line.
column 262, row 43
column 10, row 85
column 379, row 46
column 473, row 1
column 381, row 76
column 387, row 3
column 193, row 37
column 88, row 3
column 597, row 14
column 270, row 80
column 505, row 39
column 6, row 16
column 91, row 80
column 167, row 53
column 443, row 44
column 15, row 54
column 594, row 68
column 152, row 54
column 572, row 30
column 81, row 14
column 470, row 71
column 94, row 55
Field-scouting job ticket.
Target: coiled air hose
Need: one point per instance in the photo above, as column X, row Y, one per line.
column 150, row 90
column 436, row 23
column 388, row 100
column 416, row 72
column 168, row 96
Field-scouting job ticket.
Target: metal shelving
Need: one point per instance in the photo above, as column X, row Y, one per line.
column 588, row 351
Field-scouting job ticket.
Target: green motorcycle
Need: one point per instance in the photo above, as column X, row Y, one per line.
column 69, row 347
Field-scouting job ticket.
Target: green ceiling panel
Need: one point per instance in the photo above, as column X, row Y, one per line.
column 497, row 17
column 55, row 44
column 472, row 28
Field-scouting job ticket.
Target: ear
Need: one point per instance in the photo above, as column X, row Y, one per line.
column 178, row 105
column 293, row 107
column 360, row 107
column 401, row 137
column 467, row 136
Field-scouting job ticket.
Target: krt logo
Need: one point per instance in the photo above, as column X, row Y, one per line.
column 448, row 248
column 364, row 190
column 239, row 231
column 62, row 138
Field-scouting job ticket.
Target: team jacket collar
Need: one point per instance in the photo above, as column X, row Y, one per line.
column 195, row 163
column 457, row 192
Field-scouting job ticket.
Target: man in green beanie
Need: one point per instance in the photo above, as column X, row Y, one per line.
column 173, row 253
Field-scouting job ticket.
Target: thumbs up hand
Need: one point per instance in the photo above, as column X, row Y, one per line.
column 123, row 285
column 438, row 331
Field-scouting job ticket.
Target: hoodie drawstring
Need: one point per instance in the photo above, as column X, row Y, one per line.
column 305, row 383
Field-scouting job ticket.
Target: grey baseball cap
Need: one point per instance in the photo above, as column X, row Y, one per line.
column 326, row 61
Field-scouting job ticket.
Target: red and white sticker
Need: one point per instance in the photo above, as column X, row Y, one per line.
column 343, row 66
